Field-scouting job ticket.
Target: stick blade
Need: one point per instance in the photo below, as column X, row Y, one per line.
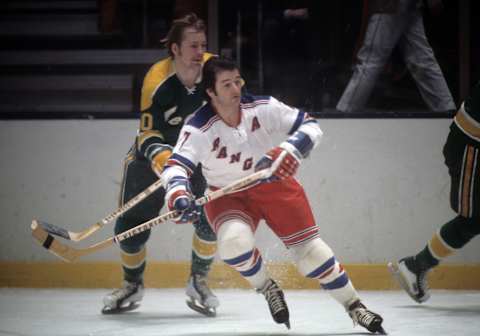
column 51, row 244
column 53, row 229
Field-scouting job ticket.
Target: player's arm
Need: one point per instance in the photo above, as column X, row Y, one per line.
column 178, row 169
column 186, row 155
column 151, row 141
column 304, row 134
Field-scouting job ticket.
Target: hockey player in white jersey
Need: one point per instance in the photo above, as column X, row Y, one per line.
column 231, row 137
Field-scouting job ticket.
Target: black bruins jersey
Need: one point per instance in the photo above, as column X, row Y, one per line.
column 165, row 104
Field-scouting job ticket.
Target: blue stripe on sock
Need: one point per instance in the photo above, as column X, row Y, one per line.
column 254, row 269
column 326, row 265
column 239, row 259
column 339, row 282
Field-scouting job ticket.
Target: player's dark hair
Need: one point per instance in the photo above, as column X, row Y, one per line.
column 210, row 70
column 175, row 34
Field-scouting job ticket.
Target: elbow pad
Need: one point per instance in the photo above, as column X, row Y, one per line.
column 299, row 144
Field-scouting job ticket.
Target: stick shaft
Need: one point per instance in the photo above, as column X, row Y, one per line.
column 69, row 253
column 235, row 186
column 78, row 236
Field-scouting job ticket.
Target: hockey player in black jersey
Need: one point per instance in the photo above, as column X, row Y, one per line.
column 169, row 95
column 461, row 153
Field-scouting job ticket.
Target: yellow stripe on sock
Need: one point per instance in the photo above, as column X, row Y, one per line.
column 439, row 248
column 133, row 260
column 203, row 248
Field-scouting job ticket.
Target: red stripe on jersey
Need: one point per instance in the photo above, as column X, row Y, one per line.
column 209, row 123
column 252, row 105
column 231, row 215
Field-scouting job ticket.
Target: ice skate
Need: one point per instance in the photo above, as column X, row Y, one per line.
column 200, row 297
column 366, row 318
column 123, row 299
column 412, row 279
column 276, row 302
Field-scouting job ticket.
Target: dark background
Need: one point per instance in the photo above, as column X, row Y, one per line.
column 87, row 58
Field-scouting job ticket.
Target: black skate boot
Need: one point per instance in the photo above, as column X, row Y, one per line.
column 200, row 297
column 366, row 318
column 276, row 302
column 411, row 277
column 123, row 299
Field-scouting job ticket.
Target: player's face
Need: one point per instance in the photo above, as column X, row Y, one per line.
column 191, row 49
column 228, row 89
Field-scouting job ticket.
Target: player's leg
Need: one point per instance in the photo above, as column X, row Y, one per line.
column 137, row 176
column 461, row 159
column 235, row 224
column 411, row 272
column 204, row 247
column 289, row 215
column 316, row 260
column 236, row 246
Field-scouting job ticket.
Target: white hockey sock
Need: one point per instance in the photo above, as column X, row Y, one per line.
column 236, row 248
column 315, row 260
column 250, row 266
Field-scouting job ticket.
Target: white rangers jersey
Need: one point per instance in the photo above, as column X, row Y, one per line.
column 230, row 153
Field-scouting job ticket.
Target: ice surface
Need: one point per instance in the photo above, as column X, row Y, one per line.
column 69, row 312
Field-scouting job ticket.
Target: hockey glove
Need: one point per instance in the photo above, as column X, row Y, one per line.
column 297, row 147
column 286, row 168
column 180, row 199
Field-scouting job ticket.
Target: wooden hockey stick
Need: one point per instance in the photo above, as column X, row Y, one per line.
column 77, row 236
column 71, row 254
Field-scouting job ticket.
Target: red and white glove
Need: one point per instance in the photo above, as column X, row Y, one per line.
column 179, row 198
column 286, row 158
column 286, row 167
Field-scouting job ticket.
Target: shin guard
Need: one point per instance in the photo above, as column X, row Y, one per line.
column 133, row 263
column 315, row 260
column 236, row 248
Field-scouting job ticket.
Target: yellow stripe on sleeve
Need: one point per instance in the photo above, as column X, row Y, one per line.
column 467, row 179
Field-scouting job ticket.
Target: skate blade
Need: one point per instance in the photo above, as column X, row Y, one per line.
column 199, row 308
column 111, row 311
column 377, row 328
column 381, row 331
column 393, row 268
